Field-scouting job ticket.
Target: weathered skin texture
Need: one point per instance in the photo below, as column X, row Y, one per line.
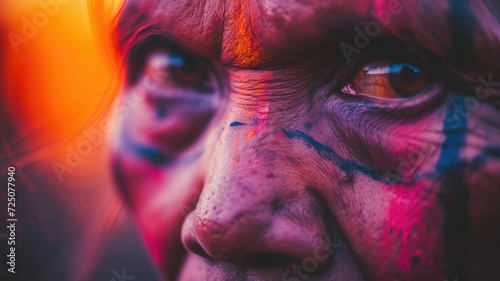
column 249, row 181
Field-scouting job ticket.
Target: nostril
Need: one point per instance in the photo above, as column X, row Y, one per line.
column 196, row 248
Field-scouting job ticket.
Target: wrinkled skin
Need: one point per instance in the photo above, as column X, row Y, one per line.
column 249, row 179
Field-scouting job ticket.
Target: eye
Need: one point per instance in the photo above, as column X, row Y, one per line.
column 182, row 94
column 170, row 69
column 389, row 80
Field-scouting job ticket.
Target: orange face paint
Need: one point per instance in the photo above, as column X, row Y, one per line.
column 241, row 46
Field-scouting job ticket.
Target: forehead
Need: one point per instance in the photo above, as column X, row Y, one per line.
column 253, row 33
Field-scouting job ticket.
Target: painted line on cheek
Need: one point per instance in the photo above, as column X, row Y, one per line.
column 330, row 155
column 151, row 154
column 454, row 129
column 453, row 193
column 449, row 162
column 157, row 157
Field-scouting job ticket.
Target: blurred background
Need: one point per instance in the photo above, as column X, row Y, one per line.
column 59, row 79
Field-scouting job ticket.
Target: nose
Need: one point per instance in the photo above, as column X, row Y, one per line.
column 254, row 214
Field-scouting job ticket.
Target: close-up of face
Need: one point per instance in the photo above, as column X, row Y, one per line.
column 313, row 140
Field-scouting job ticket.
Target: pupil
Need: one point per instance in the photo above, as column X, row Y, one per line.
column 409, row 75
column 407, row 80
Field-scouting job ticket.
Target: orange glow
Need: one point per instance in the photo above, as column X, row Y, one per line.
column 61, row 75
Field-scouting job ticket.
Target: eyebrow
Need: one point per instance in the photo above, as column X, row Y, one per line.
column 134, row 26
column 141, row 19
column 446, row 38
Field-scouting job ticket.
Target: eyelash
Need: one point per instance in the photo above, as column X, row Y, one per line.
column 444, row 80
column 139, row 54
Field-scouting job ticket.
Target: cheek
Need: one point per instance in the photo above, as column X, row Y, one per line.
column 395, row 231
column 137, row 179
column 484, row 209
column 159, row 202
column 412, row 229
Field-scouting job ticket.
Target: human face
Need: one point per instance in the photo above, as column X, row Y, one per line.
column 318, row 140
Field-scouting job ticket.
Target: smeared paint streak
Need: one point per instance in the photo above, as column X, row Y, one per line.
column 156, row 156
column 408, row 233
column 236, row 124
column 383, row 176
column 262, row 118
column 454, row 128
column 160, row 158
column 328, row 154
column 153, row 155
column 453, row 194
column 245, row 49
column 255, row 116
column 453, row 198
column 352, row 166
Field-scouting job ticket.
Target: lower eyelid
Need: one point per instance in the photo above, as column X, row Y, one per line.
column 398, row 110
column 423, row 97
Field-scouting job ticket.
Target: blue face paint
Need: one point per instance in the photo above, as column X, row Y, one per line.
column 159, row 158
column 453, row 194
column 454, row 129
column 236, row 124
column 153, row 155
column 462, row 23
column 344, row 164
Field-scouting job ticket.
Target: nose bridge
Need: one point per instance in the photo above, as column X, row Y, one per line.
column 248, row 208
column 244, row 154
column 234, row 209
column 241, row 183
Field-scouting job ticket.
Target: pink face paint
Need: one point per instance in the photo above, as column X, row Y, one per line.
column 407, row 234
